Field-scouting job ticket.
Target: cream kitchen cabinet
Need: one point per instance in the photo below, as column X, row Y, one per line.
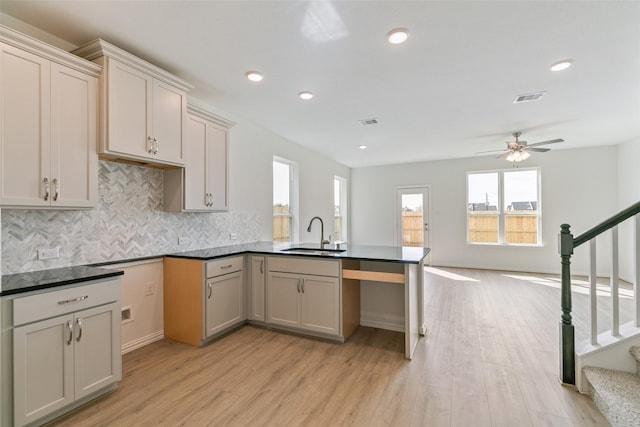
column 202, row 184
column 257, row 285
column 143, row 108
column 49, row 113
column 304, row 294
column 202, row 298
column 66, row 347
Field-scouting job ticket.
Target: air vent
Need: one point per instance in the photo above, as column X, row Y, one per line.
column 367, row 122
column 529, row 97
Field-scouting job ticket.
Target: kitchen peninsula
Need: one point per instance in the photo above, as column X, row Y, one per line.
column 302, row 288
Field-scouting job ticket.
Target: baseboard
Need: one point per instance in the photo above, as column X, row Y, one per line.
column 382, row 321
column 141, row 342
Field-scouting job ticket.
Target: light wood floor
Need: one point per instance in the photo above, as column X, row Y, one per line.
column 490, row 358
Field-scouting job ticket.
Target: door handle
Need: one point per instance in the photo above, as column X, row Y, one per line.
column 426, row 226
column 79, row 322
column 70, row 328
column 210, row 290
column 46, row 189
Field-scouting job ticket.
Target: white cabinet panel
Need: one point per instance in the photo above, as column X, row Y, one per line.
column 48, row 142
column 320, row 304
column 283, row 299
column 224, row 302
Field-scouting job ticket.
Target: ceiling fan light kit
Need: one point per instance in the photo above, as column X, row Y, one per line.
column 518, row 151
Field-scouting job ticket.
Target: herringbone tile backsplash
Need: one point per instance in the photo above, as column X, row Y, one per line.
column 129, row 222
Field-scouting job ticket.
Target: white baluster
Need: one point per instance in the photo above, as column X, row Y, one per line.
column 615, row 306
column 636, row 284
column 593, row 291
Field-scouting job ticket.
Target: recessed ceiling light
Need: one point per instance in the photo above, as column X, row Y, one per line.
column 254, row 76
column 305, row 95
column 398, row 35
column 362, row 147
column 561, row 65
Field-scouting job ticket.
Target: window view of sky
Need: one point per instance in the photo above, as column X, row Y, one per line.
column 519, row 186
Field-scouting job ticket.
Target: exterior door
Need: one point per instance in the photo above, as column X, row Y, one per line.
column 412, row 216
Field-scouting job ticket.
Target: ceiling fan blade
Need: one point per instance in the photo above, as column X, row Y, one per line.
column 504, row 155
column 551, row 141
column 540, row 150
column 490, row 151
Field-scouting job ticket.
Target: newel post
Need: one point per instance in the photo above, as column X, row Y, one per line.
column 567, row 342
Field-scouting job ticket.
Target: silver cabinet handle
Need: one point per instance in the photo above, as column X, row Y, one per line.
column 210, row 290
column 67, row 301
column 56, row 185
column 261, row 266
column 156, row 146
column 46, row 189
column 206, row 199
column 149, row 145
column 70, row 328
column 303, row 286
column 224, row 267
column 79, row 322
column 209, row 199
column 298, row 285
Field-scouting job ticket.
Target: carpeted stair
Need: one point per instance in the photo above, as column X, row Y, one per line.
column 617, row 393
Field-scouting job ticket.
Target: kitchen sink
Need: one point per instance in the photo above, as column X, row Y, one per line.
column 315, row 251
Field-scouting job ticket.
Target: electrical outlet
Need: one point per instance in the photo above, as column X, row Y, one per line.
column 149, row 289
column 233, row 236
column 48, row 253
column 183, row 240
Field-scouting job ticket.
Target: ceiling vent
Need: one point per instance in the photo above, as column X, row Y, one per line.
column 367, row 122
column 535, row 96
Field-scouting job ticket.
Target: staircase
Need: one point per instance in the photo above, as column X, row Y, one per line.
column 617, row 393
column 608, row 364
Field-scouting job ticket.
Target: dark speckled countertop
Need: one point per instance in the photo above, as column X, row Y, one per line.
column 43, row 279
column 404, row 255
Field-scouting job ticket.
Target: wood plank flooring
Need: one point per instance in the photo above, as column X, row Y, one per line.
column 490, row 358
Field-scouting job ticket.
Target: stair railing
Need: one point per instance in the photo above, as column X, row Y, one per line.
column 566, row 244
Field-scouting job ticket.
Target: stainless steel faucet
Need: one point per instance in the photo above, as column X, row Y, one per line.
column 322, row 240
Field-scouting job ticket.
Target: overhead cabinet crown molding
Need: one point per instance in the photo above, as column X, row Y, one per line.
column 144, row 108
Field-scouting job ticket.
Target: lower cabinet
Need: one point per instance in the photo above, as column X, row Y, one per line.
column 308, row 302
column 62, row 359
column 202, row 298
column 257, row 284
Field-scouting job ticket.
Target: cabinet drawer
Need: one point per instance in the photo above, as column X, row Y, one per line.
column 54, row 303
column 224, row 266
column 315, row 267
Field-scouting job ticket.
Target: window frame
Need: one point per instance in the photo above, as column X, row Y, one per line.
column 502, row 212
column 343, row 208
column 293, row 198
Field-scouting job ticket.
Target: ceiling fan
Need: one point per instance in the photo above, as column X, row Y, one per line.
column 518, row 151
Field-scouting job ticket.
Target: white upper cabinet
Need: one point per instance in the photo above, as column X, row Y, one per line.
column 48, row 108
column 143, row 108
column 202, row 185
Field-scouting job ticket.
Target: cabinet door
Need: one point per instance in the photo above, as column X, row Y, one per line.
column 321, row 304
column 74, row 161
column 169, row 122
column 43, row 368
column 257, row 288
column 25, row 127
column 97, row 348
column 195, row 197
column 129, row 100
column 283, row 299
column 217, row 161
column 224, row 301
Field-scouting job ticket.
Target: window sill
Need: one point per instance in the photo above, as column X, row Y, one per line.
column 510, row 245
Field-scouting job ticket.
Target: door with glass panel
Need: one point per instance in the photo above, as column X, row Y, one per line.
column 412, row 216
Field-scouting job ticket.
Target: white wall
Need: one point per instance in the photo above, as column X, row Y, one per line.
column 250, row 183
column 579, row 187
column 628, row 194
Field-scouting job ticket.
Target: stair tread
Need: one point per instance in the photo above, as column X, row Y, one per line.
column 635, row 352
column 617, row 394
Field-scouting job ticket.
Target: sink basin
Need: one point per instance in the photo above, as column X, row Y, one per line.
column 315, row 251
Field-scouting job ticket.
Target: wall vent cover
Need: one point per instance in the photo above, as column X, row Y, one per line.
column 535, row 96
column 367, row 122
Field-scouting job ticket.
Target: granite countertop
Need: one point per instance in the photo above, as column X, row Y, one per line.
column 43, row 279
column 404, row 255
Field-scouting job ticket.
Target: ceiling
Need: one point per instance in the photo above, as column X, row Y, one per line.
column 447, row 92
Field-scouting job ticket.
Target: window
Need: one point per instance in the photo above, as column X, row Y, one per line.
column 340, row 209
column 284, row 200
column 503, row 207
